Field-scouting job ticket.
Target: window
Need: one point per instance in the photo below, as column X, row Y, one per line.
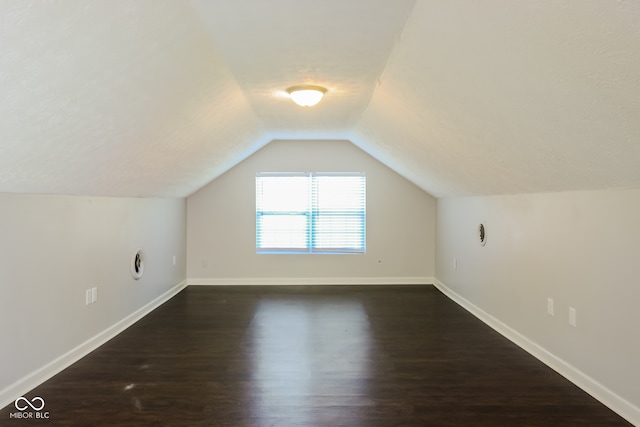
column 310, row 212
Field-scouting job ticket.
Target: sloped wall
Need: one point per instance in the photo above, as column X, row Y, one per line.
column 54, row 248
column 221, row 223
column 580, row 249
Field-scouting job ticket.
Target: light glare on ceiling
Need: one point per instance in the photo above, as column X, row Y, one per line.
column 306, row 95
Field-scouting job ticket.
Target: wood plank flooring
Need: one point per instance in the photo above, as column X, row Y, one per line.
column 312, row 356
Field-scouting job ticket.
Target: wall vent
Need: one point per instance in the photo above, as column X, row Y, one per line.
column 482, row 234
column 137, row 264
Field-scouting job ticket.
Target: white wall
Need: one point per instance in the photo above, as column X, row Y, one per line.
column 53, row 248
column 221, row 222
column 582, row 249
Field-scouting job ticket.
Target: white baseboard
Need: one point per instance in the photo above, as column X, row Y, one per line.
column 34, row 379
column 607, row 397
column 270, row 281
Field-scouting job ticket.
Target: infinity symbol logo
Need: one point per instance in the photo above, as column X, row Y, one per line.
column 24, row 401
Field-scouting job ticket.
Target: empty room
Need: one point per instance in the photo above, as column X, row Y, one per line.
column 319, row 213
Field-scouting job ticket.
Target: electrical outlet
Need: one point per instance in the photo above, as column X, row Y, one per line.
column 87, row 297
column 94, row 295
column 455, row 264
column 550, row 306
column 572, row 316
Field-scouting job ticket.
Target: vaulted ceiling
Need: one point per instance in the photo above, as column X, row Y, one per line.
column 144, row 98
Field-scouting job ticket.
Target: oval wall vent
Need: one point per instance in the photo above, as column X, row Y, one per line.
column 137, row 264
column 482, row 234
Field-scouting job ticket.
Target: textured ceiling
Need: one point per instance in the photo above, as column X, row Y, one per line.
column 272, row 45
column 509, row 96
column 158, row 97
column 116, row 98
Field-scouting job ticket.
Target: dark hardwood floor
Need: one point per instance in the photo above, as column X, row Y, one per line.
column 312, row 356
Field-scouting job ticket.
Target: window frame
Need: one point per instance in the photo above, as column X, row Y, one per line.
column 312, row 214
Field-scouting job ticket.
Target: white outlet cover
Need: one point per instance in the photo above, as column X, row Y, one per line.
column 94, row 295
column 572, row 316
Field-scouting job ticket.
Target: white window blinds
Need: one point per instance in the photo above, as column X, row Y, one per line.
column 310, row 212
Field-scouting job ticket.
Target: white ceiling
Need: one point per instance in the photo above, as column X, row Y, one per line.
column 158, row 97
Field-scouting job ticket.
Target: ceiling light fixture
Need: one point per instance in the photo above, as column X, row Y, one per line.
column 306, row 95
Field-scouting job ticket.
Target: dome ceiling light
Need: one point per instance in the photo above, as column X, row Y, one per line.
column 306, row 95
